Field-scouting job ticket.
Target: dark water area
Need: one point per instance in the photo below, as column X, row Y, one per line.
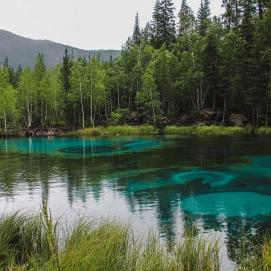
column 222, row 184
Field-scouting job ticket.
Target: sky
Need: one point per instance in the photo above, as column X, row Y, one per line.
column 86, row 24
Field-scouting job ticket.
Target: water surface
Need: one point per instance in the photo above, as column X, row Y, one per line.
column 222, row 184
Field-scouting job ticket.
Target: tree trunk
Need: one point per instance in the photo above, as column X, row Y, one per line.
column 91, row 99
column 153, row 111
column 266, row 116
column 82, row 105
column 118, row 97
column 257, row 117
column 224, row 113
column 5, row 122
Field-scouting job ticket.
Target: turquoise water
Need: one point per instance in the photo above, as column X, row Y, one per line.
column 78, row 147
column 229, row 204
column 222, row 184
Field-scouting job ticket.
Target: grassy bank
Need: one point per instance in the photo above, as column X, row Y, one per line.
column 171, row 130
column 207, row 130
column 34, row 244
column 117, row 130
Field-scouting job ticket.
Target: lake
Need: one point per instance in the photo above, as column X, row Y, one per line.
column 221, row 184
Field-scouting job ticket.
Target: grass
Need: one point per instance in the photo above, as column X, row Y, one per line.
column 260, row 259
column 117, row 130
column 32, row 243
column 263, row 131
column 170, row 130
column 207, row 130
column 22, row 240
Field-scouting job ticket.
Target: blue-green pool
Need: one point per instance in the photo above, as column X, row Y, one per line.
column 222, row 184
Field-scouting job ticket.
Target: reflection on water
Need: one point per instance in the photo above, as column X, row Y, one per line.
column 223, row 184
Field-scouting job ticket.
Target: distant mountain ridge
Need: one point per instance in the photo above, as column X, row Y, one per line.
column 22, row 51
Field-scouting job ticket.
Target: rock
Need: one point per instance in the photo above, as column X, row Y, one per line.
column 184, row 120
column 211, row 115
column 44, row 132
column 238, row 120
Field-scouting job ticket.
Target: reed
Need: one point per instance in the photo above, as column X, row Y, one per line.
column 32, row 243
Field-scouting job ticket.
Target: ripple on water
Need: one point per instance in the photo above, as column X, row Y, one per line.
column 229, row 204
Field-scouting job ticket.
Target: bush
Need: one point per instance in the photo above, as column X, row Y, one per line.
column 118, row 116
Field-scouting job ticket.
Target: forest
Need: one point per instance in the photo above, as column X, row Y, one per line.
column 171, row 70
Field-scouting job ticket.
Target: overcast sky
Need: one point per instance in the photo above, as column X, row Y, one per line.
column 87, row 24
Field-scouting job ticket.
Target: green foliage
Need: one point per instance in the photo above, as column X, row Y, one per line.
column 163, row 29
column 203, row 17
column 8, row 109
column 186, row 19
column 137, row 33
column 148, row 97
column 118, row 116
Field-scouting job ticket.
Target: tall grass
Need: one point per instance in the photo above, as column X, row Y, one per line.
column 29, row 243
column 259, row 259
column 22, row 240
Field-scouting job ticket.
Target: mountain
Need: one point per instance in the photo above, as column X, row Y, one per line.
column 21, row 50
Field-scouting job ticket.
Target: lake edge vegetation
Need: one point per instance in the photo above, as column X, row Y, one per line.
column 38, row 243
column 189, row 70
column 144, row 130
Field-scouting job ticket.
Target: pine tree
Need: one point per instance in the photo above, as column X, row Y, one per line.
column 5, row 64
column 203, row 17
column 163, row 30
column 39, row 77
column 65, row 75
column 210, row 63
column 155, row 25
column 186, row 19
column 168, row 22
column 66, row 71
column 146, row 32
column 232, row 13
column 11, row 72
column 136, row 34
column 17, row 75
column 247, row 25
column 262, row 6
column 248, row 65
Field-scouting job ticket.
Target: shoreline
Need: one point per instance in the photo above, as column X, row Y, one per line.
column 137, row 130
